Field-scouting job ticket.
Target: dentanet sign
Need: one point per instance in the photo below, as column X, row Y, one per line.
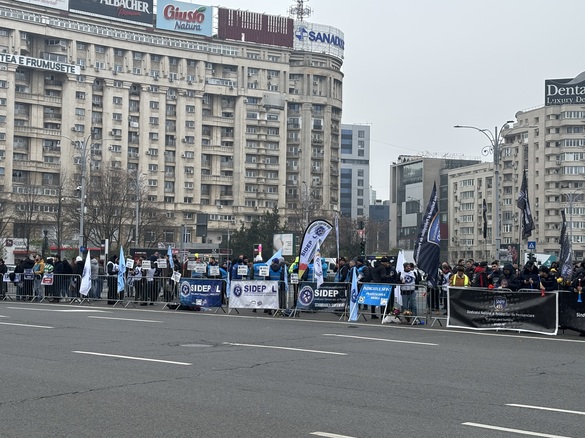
column 564, row 91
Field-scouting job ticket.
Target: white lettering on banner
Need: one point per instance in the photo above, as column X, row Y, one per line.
column 43, row 64
column 328, row 293
column 200, row 288
column 251, row 294
column 134, row 5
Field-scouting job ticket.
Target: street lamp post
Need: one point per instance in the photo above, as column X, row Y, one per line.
column 494, row 149
column 83, row 145
column 137, row 212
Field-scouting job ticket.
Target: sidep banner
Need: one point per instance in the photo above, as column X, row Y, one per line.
column 375, row 294
column 572, row 312
column 328, row 297
column 250, row 294
column 197, row 292
column 521, row 311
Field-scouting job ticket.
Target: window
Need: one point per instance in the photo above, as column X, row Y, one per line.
column 154, row 104
column 117, row 116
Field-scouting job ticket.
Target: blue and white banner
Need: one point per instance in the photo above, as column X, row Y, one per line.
column 354, row 295
column 198, row 292
column 375, row 294
column 252, row 294
column 329, row 296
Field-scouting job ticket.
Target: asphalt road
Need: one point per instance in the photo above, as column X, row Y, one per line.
column 81, row 371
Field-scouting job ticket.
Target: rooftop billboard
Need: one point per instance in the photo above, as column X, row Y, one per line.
column 130, row 11
column 254, row 27
column 564, row 91
column 55, row 4
column 310, row 37
column 184, row 17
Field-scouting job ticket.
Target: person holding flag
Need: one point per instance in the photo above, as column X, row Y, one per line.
column 112, row 271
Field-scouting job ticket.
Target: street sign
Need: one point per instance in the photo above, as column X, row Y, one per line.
column 532, row 245
column 82, row 249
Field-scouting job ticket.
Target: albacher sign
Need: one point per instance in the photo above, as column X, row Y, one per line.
column 184, row 17
column 131, row 11
column 564, row 91
column 43, row 64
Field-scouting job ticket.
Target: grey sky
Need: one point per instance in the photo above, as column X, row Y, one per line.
column 413, row 69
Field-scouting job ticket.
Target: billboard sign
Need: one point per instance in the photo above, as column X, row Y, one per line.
column 284, row 242
column 254, row 27
column 184, row 17
column 39, row 63
column 564, row 91
column 310, row 37
column 129, row 11
column 63, row 5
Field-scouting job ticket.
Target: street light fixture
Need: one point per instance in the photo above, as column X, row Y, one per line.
column 494, row 149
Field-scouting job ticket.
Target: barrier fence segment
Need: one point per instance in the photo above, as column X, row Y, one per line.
column 525, row 310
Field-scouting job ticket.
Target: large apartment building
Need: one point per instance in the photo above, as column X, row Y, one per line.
column 227, row 118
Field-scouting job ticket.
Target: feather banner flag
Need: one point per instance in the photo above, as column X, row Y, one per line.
column 316, row 232
column 427, row 250
column 524, row 205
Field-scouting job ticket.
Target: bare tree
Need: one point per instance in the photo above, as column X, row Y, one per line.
column 112, row 198
column 27, row 206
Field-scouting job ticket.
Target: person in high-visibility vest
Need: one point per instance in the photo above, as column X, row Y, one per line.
column 459, row 279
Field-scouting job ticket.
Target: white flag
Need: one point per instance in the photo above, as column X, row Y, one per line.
column 86, row 277
column 399, row 268
column 317, row 266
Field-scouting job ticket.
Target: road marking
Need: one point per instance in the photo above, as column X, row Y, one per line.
column 26, row 325
column 285, row 348
column 124, row 319
column 330, row 435
column 57, row 310
column 132, row 358
column 518, row 431
column 3, row 316
column 565, row 411
column 379, row 339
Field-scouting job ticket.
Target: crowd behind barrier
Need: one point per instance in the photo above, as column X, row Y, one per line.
column 410, row 298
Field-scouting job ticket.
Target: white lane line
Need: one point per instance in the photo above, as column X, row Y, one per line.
column 124, row 319
column 3, row 316
column 26, row 325
column 57, row 310
column 518, row 431
column 285, row 348
column 330, row 435
column 379, row 339
column 542, row 408
column 145, row 359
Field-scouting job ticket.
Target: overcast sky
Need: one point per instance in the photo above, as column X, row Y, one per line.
column 415, row 68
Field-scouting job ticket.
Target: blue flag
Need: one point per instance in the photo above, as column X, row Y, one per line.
column 170, row 254
column 121, row 270
column 354, row 294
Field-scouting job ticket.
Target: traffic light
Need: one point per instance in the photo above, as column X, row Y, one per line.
column 362, row 248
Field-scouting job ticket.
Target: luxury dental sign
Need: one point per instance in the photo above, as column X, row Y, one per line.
column 184, row 17
column 43, row 64
column 564, row 91
column 129, row 11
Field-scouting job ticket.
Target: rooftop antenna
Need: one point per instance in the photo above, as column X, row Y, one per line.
column 300, row 11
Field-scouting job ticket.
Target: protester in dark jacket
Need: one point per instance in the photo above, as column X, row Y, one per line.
column 508, row 279
column 547, row 281
column 528, row 278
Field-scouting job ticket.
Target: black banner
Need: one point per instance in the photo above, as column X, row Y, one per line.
column 572, row 312
column 328, row 297
column 132, row 11
column 491, row 309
